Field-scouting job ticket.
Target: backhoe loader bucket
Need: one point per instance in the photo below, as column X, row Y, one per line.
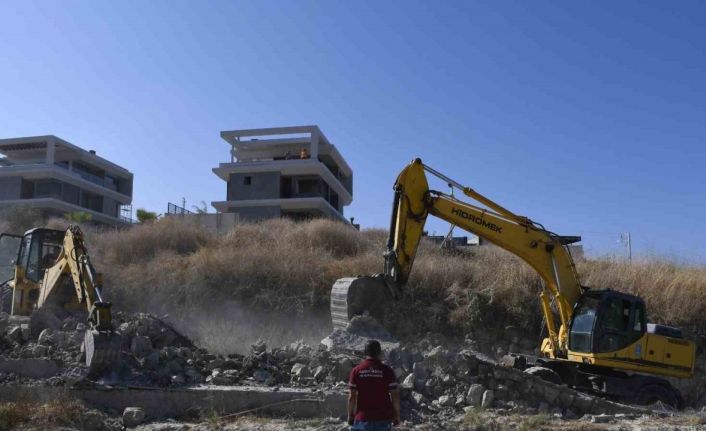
column 355, row 296
column 102, row 349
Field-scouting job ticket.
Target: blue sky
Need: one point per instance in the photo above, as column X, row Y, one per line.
column 589, row 117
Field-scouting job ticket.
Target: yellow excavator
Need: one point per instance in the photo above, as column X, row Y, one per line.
column 598, row 340
column 50, row 271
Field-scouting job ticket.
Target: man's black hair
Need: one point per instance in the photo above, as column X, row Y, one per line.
column 373, row 349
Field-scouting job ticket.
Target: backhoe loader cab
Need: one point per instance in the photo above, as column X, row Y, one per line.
column 24, row 268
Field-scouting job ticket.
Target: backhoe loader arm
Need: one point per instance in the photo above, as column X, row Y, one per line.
column 74, row 262
column 541, row 249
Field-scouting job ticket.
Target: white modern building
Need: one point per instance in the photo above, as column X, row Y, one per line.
column 57, row 177
column 284, row 172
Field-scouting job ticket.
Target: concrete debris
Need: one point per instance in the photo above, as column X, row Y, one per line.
column 475, row 395
column 133, row 416
column 437, row 379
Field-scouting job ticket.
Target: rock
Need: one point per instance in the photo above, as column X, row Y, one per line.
column 320, row 373
column 260, row 375
column 178, row 379
column 151, row 361
column 300, row 370
column 602, row 419
column 565, row 399
column 15, row 334
column 40, row 351
column 488, row 398
column 45, row 337
column 174, row 366
column 474, row 397
column 24, row 330
column 193, row 374
column 68, row 324
column 430, row 387
column 214, row 363
column 92, row 420
column 259, row 347
column 445, row 401
column 133, row 416
column 569, row 415
column 447, row 380
column 417, row 397
column 222, row 378
column 419, row 371
column 460, row 401
column 408, row 382
column 343, row 369
column 141, row 346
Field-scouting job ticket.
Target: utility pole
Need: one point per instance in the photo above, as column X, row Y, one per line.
column 626, row 239
column 183, row 203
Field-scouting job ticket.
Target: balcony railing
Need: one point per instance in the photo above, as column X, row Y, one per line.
column 95, row 179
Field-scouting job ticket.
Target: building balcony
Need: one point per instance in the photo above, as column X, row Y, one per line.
column 39, row 171
column 286, row 205
column 297, row 167
column 62, row 207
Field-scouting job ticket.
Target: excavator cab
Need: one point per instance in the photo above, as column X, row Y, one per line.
column 605, row 321
column 610, row 328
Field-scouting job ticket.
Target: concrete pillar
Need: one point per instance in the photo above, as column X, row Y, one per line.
column 314, row 150
column 232, row 151
column 51, row 147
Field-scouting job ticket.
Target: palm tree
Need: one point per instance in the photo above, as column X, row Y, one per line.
column 203, row 209
column 79, row 217
column 144, row 216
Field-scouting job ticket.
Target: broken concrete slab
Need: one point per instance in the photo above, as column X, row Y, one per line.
column 30, row 367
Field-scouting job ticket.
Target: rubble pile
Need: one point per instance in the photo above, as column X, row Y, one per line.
column 437, row 379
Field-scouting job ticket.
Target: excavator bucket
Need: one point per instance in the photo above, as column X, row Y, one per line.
column 354, row 296
column 102, row 349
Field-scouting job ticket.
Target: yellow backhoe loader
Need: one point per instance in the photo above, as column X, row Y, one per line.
column 598, row 340
column 50, row 271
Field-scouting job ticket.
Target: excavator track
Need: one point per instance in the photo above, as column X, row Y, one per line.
column 102, row 349
column 353, row 296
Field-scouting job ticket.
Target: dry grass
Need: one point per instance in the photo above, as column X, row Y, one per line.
column 61, row 412
column 262, row 274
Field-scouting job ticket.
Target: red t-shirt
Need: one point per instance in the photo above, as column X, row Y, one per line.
column 373, row 380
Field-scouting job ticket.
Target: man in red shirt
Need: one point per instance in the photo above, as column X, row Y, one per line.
column 374, row 398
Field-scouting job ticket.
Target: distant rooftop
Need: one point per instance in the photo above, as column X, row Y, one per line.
column 279, row 143
column 32, row 148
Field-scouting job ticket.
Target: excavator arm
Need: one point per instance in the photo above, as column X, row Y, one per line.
column 542, row 250
column 74, row 262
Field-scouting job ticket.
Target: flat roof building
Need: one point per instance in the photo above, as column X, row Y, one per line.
column 57, row 177
column 284, row 171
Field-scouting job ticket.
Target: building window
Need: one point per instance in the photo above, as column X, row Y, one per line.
column 247, row 180
column 47, row 189
column 308, row 187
